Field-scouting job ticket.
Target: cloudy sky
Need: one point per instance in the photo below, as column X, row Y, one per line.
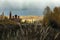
column 26, row 7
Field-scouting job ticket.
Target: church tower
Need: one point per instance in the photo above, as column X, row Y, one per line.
column 10, row 15
column 2, row 15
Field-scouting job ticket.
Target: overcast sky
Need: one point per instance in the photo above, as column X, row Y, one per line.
column 27, row 7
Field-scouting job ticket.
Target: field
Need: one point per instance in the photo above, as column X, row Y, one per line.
column 28, row 32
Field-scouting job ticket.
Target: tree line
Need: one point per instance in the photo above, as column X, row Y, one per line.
column 51, row 17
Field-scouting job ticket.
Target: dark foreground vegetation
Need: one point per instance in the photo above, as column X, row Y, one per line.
column 27, row 32
column 48, row 29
